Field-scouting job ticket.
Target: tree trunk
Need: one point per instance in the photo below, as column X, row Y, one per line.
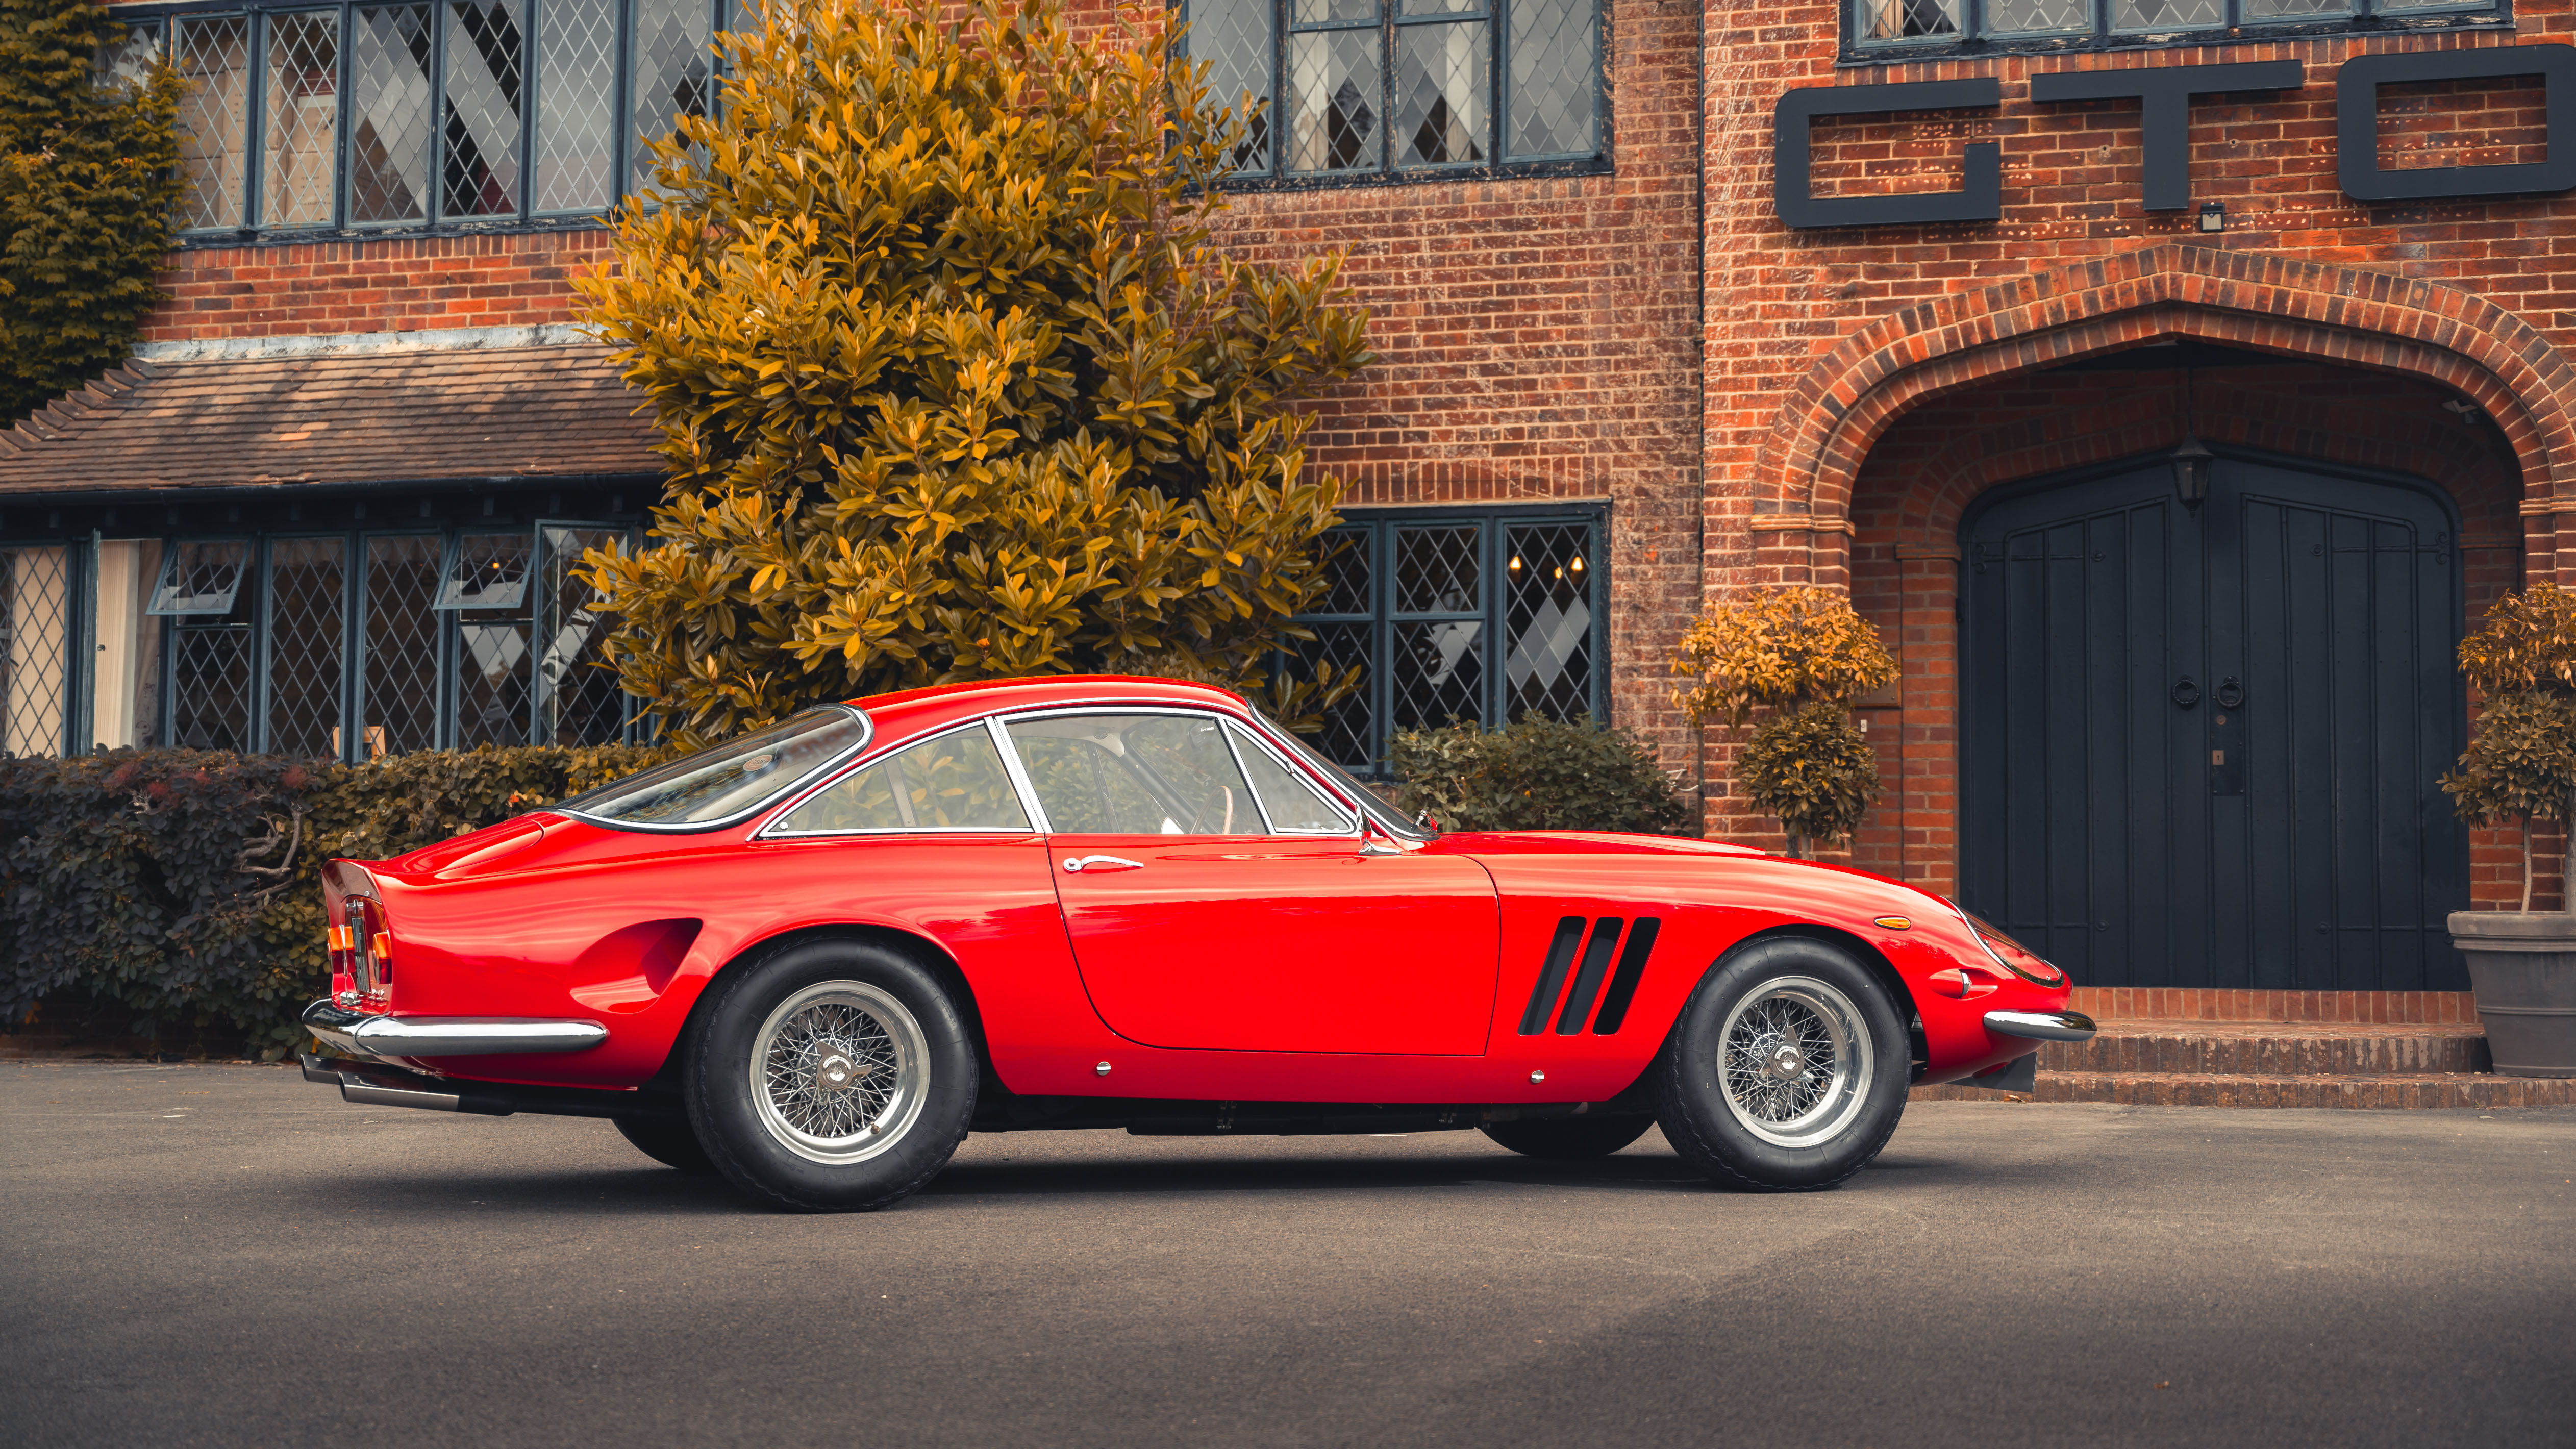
column 2526, row 864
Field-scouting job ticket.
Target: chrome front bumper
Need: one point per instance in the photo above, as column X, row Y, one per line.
column 2042, row 1025
column 446, row 1036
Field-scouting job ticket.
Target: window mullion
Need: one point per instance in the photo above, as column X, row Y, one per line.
column 621, row 86
column 254, row 116
column 530, row 21
column 433, row 208
column 1386, row 86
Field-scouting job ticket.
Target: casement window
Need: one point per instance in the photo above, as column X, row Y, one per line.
column 1381, row 89
column 1488, row 617
column 349, row 644
column 359, row 116
column 1874, row 27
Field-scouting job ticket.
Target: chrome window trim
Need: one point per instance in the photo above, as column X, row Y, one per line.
column 1350, row 821
column 1367, row 810
column 775, row 827
column 867, row 736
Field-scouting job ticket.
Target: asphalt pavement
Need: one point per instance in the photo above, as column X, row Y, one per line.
column 230, row 1255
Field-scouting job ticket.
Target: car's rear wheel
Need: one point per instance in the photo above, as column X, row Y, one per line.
column 1569, row 1138
column 832, row 1076
column 1787, row 1071
column 667, row 1141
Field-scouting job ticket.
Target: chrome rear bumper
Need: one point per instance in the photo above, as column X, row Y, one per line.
column 446, row 1036
column 2041, row 1025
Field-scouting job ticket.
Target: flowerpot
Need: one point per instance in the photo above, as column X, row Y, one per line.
column 2523, row 967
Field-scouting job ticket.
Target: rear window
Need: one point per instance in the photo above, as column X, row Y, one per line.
column 727, row 781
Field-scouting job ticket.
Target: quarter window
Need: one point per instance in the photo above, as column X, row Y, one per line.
column 1353, row 88
column 954, row 782
column 1453, row 618
column 391, row 115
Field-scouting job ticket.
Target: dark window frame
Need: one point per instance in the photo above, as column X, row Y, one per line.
column 2365, row 17
column 165, row 19
column 1495, row 521
column 1388, row 171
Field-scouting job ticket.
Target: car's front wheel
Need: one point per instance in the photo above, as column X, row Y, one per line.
column 832, row 1076
column 1787, row 1071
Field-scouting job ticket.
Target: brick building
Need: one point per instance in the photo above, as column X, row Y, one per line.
column 1918, row 298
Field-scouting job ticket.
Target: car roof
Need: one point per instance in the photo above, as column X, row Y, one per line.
column 907, row 712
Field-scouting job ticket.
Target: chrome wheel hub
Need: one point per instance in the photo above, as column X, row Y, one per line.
column 1794, row 1062
column 838, row 1072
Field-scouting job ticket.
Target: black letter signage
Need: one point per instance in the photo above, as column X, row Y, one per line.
column 1980, row 197
column 2357, row 122
column 2164, row 109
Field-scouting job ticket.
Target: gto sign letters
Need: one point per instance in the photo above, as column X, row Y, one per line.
column 2164, row 95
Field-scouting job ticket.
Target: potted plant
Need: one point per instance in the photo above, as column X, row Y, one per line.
column 2521, row 767
column 1801, row 655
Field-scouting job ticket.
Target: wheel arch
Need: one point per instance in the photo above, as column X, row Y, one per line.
column 1872, row 960
column 933, row 956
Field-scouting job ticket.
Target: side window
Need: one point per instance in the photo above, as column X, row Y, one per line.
column 1136, row 774
column 1293, row 806
column 954, row 782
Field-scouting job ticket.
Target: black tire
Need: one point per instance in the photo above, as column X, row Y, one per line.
column 1566, row 1139
column 667, row 1141
column 1794, row 1123
column 885, row 1023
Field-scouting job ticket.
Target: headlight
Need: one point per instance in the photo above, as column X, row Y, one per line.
column 1987, row 936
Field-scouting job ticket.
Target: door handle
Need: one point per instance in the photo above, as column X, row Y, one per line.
column 1076, row 865
column 2230, row 693
column 2186, row 694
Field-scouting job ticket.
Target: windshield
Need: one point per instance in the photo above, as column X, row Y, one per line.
column 1351, row 786
column 727, row 781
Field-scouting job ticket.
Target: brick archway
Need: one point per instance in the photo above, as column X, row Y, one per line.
column 1823, row 432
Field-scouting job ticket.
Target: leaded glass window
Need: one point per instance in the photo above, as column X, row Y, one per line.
column 212, row 650
column 213, row 59
column 578, row 697
column 2056, row 25
column 399, row 690
column 308, row 586
column 1455, row 617
column 1377, row 86
column 35, row 649
column 301, row 118
column 373, row 114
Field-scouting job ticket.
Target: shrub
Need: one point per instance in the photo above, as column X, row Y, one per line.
column 1536, row 775
column 952, row 379
column 186, row 884
column 88, row 175
column 2521, row 766
column 1801, row 655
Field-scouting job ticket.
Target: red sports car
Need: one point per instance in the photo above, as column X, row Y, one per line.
column 815, row 957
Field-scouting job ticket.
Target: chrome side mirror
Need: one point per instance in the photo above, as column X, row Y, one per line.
column 1375, row 841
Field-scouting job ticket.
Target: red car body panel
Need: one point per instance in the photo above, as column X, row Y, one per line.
column 1224, row 968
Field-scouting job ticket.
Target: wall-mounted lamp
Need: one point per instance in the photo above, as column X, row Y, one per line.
column 2213, row 216
column 2191, row 471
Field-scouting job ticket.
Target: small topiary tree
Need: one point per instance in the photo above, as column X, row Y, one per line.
column 2521, row 766
column 953, row 382
column 1801, row 655
column 88, row 175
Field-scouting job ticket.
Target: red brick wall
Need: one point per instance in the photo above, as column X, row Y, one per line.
column 505, row 280
column 1856, row 379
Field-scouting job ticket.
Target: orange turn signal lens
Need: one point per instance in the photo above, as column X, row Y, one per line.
column 1893, row 923
column 341, row 938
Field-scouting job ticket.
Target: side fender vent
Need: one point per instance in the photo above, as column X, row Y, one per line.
column 1578, row 1002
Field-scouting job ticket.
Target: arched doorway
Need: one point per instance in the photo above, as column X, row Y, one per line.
column 2200, row 745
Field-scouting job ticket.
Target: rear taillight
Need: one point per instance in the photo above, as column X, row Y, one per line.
column 360, row 946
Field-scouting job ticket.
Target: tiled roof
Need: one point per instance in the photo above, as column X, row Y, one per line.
column 382, row 416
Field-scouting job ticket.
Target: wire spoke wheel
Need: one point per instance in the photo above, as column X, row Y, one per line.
column 1795, row 1061
column 839, row 1071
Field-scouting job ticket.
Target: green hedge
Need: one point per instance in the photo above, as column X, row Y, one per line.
column 1537, row 775
column 186, row 884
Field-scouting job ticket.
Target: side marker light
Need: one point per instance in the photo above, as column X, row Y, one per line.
column 1893, row 923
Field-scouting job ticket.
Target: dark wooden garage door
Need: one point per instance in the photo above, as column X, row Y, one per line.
column 2200, row 746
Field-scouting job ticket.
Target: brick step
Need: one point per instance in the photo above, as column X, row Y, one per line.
column 2196, row 1089
column 2272, row 1048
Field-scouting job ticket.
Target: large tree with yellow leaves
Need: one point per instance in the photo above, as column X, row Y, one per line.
column 952, row 382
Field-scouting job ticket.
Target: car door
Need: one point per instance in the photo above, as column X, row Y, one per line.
column 1215, row 900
